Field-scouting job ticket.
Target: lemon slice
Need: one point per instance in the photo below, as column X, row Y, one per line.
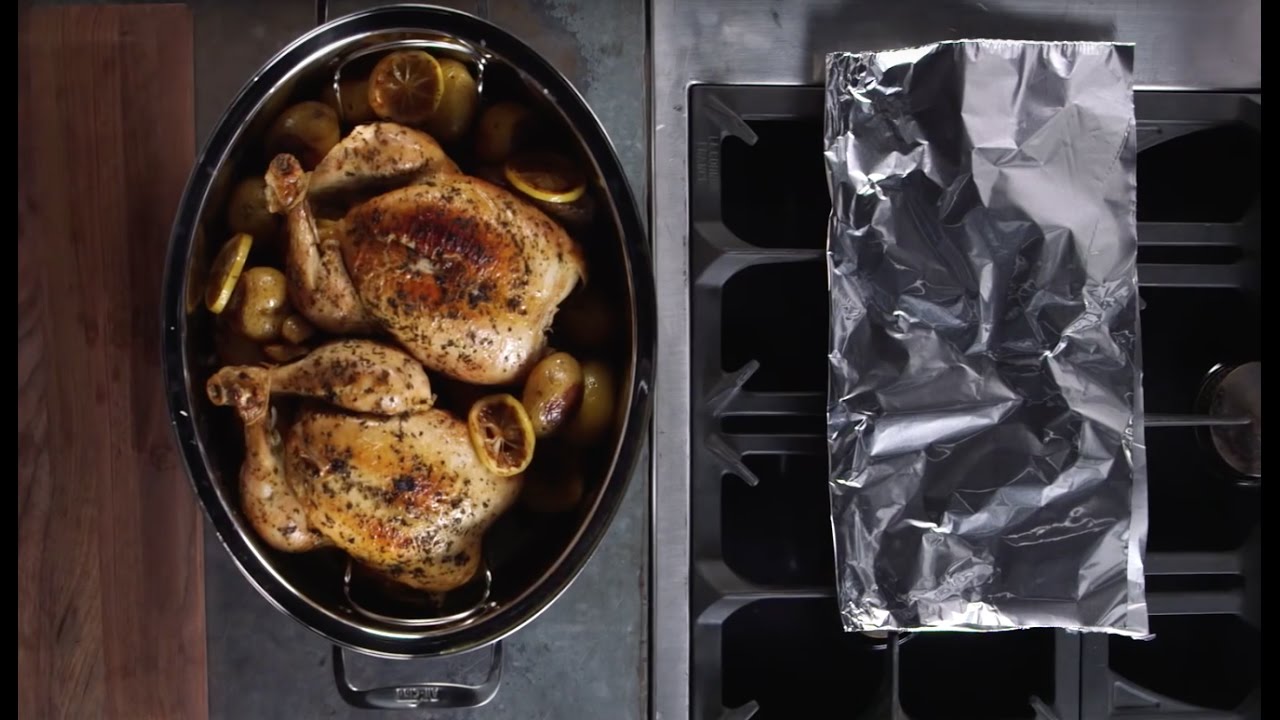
column 226, row 272
column 406, row 87
column 501, row 434
column 545, row 176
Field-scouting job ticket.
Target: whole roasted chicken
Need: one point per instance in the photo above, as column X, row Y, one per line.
column 367, row 464
column 461, row 273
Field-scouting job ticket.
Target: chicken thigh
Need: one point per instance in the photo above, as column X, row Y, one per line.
column 358, row 375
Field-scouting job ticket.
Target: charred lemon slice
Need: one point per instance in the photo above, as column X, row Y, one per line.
column 406, row 87
column 501, row 434
column 545, row 176
column 226, row 272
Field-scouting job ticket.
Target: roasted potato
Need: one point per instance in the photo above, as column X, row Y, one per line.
column 452, row 118
column 552, row 392
column 308, row 131
column 351, row 101
column 247, row 209
column 501, row 129
column 595, row 413
column 259, row 304
column 296, row 330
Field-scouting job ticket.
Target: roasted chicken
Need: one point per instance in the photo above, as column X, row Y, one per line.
column 405, row 495
column 369, row 466
column 463, row 274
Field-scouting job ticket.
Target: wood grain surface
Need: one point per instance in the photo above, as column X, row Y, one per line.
column 110, row 571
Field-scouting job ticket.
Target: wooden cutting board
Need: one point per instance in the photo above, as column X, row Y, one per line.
column 110, row 571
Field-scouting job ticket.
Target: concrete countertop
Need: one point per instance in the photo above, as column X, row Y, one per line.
column 586, row 656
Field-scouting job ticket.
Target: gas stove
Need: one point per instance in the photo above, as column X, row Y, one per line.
column 744, row 616
column 763, row 612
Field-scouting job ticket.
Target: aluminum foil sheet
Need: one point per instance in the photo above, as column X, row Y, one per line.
column 984, row 416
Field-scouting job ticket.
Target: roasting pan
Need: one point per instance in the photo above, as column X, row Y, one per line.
column 529, row 563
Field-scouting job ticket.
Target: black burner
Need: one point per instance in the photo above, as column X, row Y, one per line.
column 1234, row 394
column 767, row 640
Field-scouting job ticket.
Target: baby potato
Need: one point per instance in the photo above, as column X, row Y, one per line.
column 500, row 130
column 260, row 304
column 457, row 108
column 351, row 101
column 552, row 392
column 296, row 330
column 308, row 131
column 595, row 414
column 247, row 209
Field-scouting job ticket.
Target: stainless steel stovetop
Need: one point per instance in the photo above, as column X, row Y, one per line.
column 744, row 619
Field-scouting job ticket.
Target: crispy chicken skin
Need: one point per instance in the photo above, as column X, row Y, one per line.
column 464, row 275
column 405, row 495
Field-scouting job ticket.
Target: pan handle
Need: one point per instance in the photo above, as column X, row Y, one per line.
column 418, row 695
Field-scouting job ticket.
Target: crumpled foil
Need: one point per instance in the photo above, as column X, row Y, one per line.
column 984, row 415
